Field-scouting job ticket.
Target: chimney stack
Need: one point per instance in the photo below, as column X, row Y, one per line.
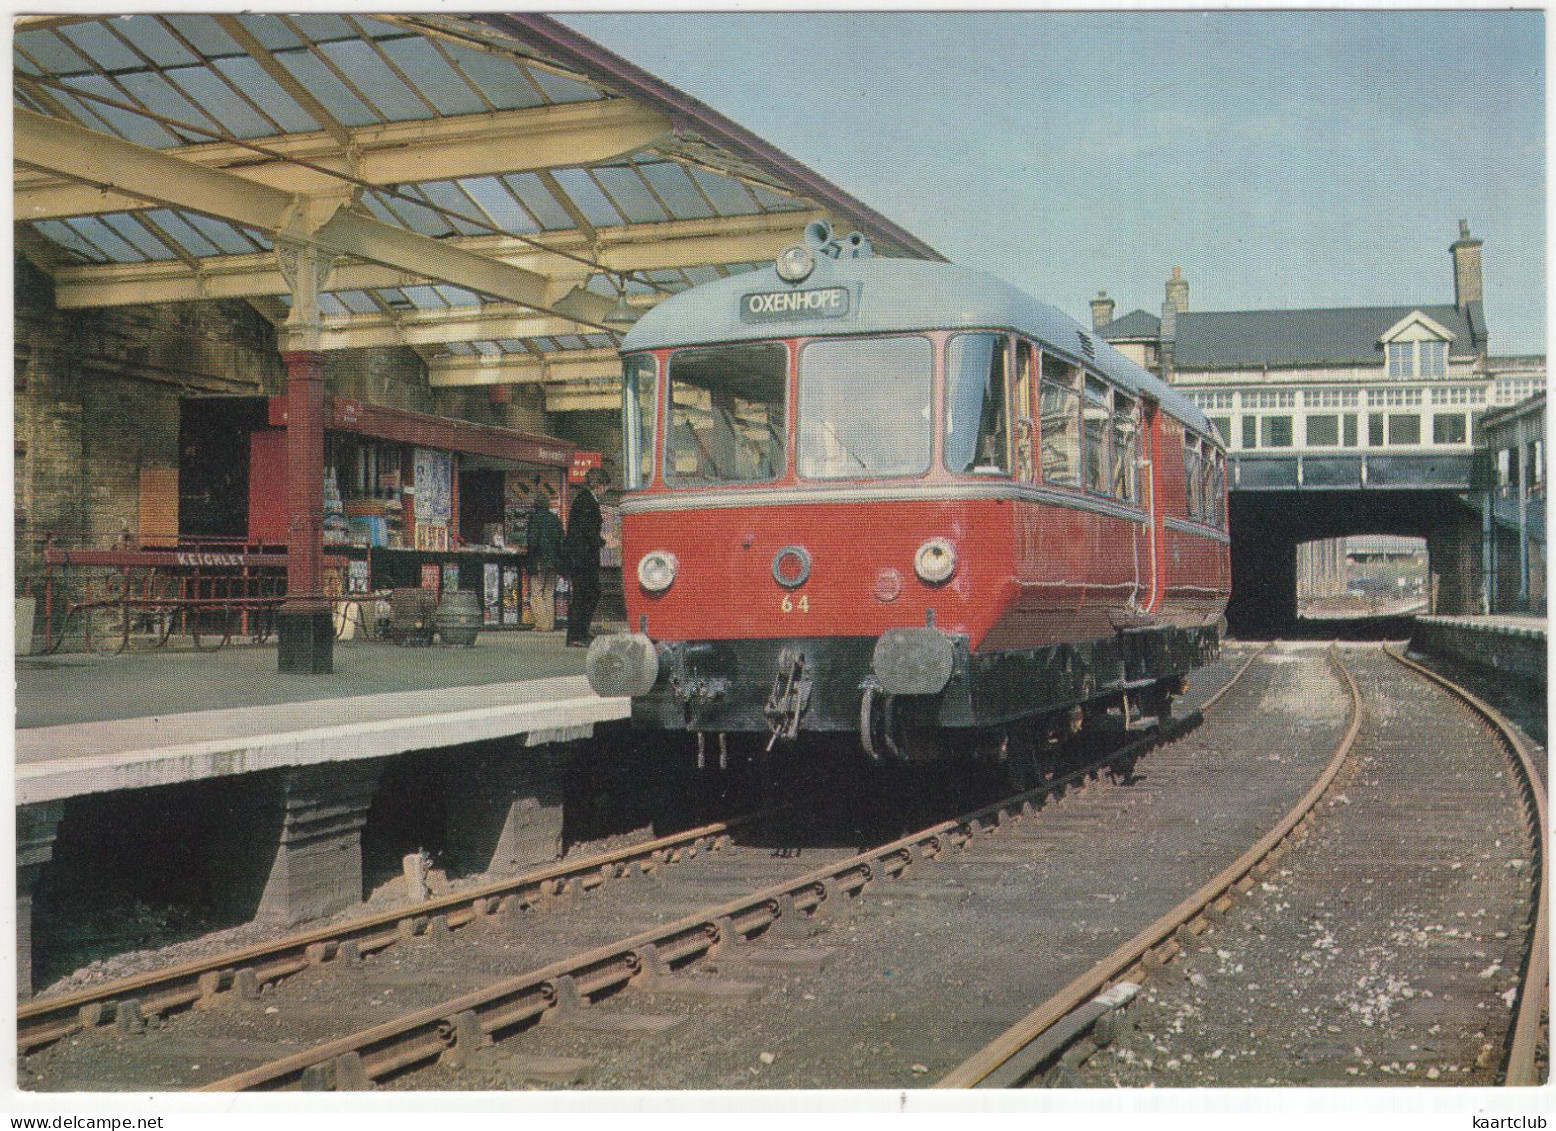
column 1101, row 310
column 1178, row 291
column 1467, row 284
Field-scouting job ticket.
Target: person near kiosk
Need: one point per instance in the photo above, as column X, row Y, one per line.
column 581, row 557
column 543, row 545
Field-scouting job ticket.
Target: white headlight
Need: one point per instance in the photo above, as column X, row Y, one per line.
column 794, row 264
column 656, row 570
column 935, row 560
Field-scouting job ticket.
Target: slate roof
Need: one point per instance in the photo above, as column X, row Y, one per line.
column 1133, row 326
column 1343, row 336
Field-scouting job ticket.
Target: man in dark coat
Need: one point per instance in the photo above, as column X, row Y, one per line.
column 543, row 543
column 581, row 558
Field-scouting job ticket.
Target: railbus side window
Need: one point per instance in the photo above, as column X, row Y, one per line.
column 1126, row 429
column 1059, row 424
column 1193, row 485
column 639, row 386
column 864, row 408
column 1207, row 494
column 1096, row 413
column 976, row 433
column 727, row 415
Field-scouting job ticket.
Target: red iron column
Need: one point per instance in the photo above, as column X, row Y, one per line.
column 305, row 629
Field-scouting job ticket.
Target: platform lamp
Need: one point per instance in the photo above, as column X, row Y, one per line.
column 622, row 313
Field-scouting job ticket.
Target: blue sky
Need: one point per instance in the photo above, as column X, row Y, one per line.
column 1296, row 159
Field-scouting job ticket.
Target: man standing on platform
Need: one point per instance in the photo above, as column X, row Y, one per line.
column 543, row 543
column 581, row 558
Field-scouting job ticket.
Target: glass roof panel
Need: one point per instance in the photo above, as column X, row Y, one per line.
column 373, row 204
column 570, row 342
column 321, row 82
column 438, row 81
column 380, row 29
column 445, row 195
column 67, row 237
column 774, row 201
column 162, row 97
column 101, row 46
column 700, row 275
column 218, row 99
column 459, row 349
column 270, row 31
column 534, row 195
column 372, row 76
column 499, row 79
column 561, row 89
column 250, row 78
column 425, row 297
column 498, row 204
column 223, row 235
column 323, row 27
column 600, row 284
column 133, row 127
column 53, row 54
column 395, row 298
column 587, row 196
column 358, row 302
column 179, row 229
column 511, row 345
column 329, row 304
column 457, row 296
column 417, row 217
column 597, row 341
column 742, row 268
column 631, row 195
column 544, row 345
column 154, row 40
column 106, row 238
column 487, row 349
column 138, row 236
column 204, row 34
column 25, row 65
column 729, row 196
column 675, row 188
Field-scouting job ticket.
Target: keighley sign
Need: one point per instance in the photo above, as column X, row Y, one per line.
column 785, row 306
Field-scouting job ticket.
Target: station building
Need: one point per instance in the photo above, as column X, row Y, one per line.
column 1341, row 421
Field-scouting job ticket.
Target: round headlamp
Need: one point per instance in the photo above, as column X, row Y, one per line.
column 935, row 561
column 794, row 264
column 656, row 570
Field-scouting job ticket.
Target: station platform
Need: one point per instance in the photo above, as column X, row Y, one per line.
column 278, row 774
column 1511, row 644
column 89, row 724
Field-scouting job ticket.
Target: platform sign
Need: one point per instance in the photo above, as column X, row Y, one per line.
column 583, row 463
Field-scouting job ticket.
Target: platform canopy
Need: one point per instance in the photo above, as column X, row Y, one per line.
column 483, row 189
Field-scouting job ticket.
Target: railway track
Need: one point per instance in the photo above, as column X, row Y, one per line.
column 250, row 971
column 242, row 982
column 1440, row 779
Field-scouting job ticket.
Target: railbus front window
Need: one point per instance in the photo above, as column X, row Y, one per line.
column 976, row 434
column 637, row 421
column 1059, row 424
column 864, row 408
column 727, row 415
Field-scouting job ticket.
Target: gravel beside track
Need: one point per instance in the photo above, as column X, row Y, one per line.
column 1385, row 950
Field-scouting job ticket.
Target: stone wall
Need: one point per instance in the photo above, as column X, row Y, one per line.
column 96, row 401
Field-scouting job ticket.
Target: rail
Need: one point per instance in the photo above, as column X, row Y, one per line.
column 1157, row 939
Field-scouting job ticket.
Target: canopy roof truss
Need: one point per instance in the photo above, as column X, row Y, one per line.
column 485, row 189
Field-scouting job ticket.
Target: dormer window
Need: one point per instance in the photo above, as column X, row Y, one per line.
column 1418, row 359
column 1417, row 346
